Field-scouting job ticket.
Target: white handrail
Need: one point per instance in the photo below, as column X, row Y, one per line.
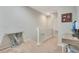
column 38, row 37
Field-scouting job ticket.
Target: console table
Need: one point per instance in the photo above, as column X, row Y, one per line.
column 73, row 42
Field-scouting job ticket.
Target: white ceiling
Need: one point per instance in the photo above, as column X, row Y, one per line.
column 48, row 9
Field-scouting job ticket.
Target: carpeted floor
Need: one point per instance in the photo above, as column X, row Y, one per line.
column 29, row 46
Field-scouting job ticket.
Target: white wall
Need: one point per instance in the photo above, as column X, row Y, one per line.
column 77, row 13
column 64, row 28
column 48, row 22
column 47, row 25
column 15, row 19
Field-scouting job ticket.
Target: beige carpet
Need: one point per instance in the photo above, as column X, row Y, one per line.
column 29, row 46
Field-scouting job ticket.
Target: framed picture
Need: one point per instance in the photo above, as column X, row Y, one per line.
column 67, row 17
